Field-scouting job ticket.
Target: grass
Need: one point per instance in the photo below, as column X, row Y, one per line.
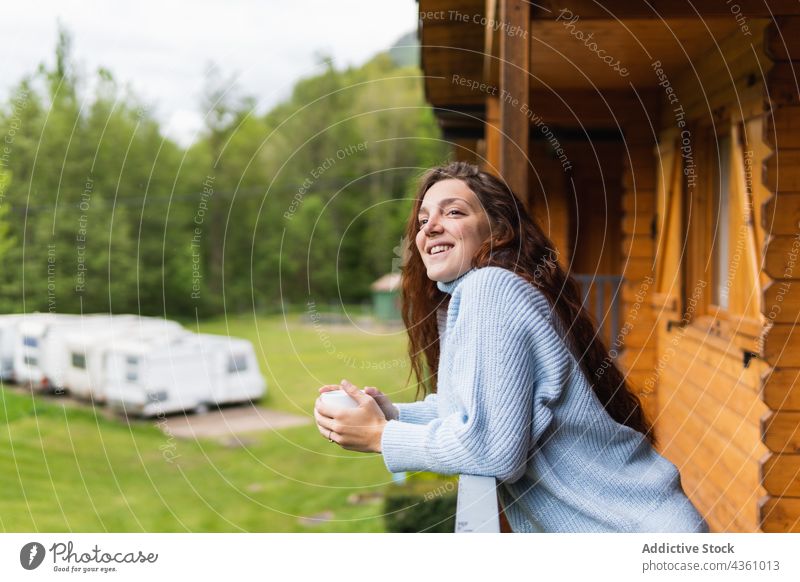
column 69, row 468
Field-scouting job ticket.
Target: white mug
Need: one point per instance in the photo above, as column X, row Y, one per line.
column 338, row 399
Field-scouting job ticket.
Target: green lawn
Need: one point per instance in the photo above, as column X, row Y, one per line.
column 70, row 469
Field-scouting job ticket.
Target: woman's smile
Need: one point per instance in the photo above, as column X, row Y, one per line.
column 440, row 250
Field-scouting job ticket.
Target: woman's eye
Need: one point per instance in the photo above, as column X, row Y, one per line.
column 422, row 221
column 454, row 212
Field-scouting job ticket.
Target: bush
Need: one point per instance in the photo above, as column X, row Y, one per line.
column 421, row 506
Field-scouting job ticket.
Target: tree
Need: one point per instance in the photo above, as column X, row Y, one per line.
column 105, row 213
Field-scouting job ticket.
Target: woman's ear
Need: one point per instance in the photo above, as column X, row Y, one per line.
column 502, row 234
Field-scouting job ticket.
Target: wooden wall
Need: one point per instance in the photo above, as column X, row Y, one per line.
column 549, row 199
column 637, row 333
column 731, row 428
column 730, row 423
column 779, row 510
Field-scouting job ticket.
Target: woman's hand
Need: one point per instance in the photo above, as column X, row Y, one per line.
column 355, row 429
column 389, row 410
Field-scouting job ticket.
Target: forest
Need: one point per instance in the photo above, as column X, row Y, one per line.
column 100, row 212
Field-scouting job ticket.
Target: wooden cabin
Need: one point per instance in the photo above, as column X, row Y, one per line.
column 659, row 145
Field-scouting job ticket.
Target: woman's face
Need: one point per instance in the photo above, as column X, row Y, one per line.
column 452, row 226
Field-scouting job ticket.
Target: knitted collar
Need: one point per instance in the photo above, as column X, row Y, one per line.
column 450, row 286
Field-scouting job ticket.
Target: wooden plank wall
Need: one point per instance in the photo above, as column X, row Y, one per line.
column 548, row 199
column 780, row 218
column 593, row 189
column 733, row 431
column 709, row 410
column 637, row 334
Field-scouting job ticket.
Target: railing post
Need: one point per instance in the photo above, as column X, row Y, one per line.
column 476, row 508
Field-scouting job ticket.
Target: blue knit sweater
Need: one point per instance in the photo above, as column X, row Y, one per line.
column 513, row 403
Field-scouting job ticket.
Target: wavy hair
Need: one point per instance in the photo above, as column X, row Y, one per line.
column 518, row 244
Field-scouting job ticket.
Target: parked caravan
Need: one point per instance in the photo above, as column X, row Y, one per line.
column 8, row 337
column 29, row 351
column 55, row 357
column 190, row 372
column 86, row 351
column 232, row 366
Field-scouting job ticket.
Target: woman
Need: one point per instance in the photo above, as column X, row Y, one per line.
column 520, row 386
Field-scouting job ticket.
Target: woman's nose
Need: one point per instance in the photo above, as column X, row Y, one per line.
column 432, row 226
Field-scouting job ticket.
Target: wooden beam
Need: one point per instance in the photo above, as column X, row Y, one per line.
column 452, row 50
column 781, row 171
column 493, row 137
column 781, row 87
column 642, row 333
column 592, row 108
column 780, row 301
column 782, row 127
column 780, row 474
column 466, row 150
column 780, row 389
column 640, row 177
column 780, row 431
column 779, row 514
column 637, row 269
column 781, row 258
column 638, row 224
column 640, row 201
column 514, row 94
column 622, row 9
column 638, row 247
column 780, row 214
column 781, row 346
column 491, row 47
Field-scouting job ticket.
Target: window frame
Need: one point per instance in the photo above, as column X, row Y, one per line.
column 718, row 279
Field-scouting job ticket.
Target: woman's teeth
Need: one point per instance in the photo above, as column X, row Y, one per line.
column 440, row 249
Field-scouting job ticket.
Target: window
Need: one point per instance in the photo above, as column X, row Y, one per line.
column 30, row 341
column 237, row 363
column 78, row 361
column 30, row 361
column 157, row 396
column 131, row 368
column 720, row 235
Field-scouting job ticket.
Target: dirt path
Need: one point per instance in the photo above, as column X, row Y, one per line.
column 224, row 422
column 230, row 421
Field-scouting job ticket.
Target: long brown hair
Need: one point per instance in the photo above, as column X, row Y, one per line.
column 518, row 244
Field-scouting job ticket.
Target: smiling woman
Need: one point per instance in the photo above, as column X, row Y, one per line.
column 519, row 383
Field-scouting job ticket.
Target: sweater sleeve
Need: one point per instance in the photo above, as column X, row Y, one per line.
column 492, row 379
column 421, row 412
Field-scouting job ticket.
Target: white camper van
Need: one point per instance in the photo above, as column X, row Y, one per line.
column 190, row 372
column 232, row 365
column 86, row 350
column 30, row 352
column 55, row 355
column 8, row 342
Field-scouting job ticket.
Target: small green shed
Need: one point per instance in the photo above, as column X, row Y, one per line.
column 386, row 297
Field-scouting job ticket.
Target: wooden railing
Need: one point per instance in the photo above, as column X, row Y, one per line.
column 602, row 297
column 477, row 509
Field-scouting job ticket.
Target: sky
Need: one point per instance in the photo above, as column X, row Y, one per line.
column 161, row 49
